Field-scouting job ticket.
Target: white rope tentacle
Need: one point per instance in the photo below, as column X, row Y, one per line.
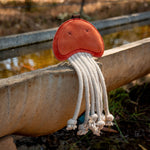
column 97, row 79
column 108, row 117
column 92, row 96
column 93, row 74
column 86, row 83
column 90, row 76
column 83, row 128
column 71, row 124
column 91, row 123
column 100, row 123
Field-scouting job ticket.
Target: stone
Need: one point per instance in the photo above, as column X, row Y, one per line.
column 7, row 143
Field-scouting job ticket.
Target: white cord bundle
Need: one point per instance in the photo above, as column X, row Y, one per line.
column 90, row 75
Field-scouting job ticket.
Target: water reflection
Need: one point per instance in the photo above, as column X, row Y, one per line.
column 29, row 62
column 44, row 58
column 126, row 36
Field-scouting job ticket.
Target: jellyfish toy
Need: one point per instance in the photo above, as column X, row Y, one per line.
column 78, row 40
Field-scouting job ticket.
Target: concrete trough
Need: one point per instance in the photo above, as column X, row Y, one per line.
column 40, row 102
column 18, row 40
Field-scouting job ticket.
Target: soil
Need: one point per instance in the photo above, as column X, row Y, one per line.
column 16, row 17
column 131, row 128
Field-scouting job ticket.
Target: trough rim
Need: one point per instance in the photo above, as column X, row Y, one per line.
column 18, row 40
column 65, row 67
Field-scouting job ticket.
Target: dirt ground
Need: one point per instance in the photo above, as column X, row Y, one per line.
column 16, row 18
column 131, row 129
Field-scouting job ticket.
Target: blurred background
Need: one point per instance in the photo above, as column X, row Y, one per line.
column 19, row 16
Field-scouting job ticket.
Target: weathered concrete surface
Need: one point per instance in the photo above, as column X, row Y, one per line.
column 118, row 21
column 17, row 40
column 7, row 143
column 123, row 64
column 40, row 102
column 48, row 34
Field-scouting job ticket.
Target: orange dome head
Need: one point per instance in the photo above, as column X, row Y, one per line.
column 77, row 35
